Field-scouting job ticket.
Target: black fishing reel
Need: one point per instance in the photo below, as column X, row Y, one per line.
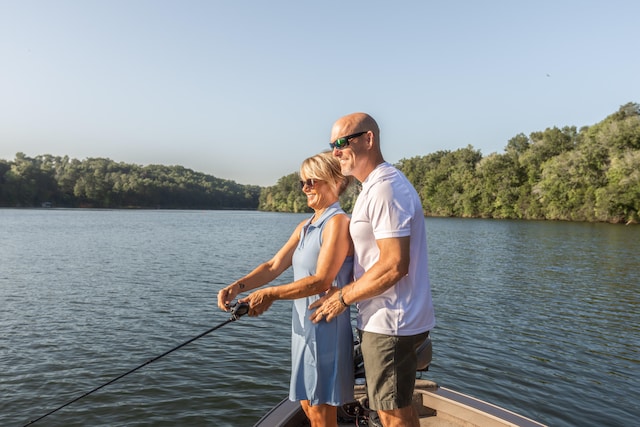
column 238, row 310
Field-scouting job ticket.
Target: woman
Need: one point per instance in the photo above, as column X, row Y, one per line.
column 321, row 253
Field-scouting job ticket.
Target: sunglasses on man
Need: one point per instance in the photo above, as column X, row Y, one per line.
column 343, row 142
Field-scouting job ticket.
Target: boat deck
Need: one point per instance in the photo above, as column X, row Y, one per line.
column 428, row 417
column 436, row 406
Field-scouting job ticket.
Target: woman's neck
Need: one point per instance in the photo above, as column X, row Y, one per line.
column 319, row 211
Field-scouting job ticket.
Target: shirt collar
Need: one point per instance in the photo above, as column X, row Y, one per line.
column 374, row 176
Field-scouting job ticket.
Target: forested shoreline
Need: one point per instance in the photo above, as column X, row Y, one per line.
column 55, row 181
column 591, row 174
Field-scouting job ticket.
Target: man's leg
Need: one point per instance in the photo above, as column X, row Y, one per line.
column 404, row 417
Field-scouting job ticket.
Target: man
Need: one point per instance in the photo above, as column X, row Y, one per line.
column 391, row 287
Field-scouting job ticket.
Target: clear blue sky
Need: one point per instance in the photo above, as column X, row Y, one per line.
column 245, row 90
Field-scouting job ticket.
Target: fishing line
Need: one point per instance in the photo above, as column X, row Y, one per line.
column 237, row 310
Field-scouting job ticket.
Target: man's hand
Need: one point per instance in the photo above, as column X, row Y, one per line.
column 328, row 307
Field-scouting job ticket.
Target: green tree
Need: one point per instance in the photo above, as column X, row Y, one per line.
column 619, row 200
column 500, row 179
column 446, row 181
column 285, row 196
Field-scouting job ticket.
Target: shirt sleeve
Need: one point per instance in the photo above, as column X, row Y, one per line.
column 390, row 211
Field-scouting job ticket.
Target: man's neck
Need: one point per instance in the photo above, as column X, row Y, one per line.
column 370, row 167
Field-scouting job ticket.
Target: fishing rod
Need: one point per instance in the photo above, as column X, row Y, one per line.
column 237, row 310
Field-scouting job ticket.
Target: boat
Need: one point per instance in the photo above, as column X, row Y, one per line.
column 436, row 406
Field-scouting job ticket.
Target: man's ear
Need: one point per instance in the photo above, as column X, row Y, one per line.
column 370, row 139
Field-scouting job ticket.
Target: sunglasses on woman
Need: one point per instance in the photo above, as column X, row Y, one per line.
column 308, row 182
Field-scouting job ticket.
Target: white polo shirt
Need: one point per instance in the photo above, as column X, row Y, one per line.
column 389, row 206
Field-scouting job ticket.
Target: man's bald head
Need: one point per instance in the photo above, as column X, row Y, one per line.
column 355, row 122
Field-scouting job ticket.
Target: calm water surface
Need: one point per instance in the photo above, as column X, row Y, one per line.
column 538, row 317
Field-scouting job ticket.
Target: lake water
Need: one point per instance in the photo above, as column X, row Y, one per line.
column 539, row 317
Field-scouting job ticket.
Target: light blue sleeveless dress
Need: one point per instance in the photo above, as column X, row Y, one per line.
column 321, row 353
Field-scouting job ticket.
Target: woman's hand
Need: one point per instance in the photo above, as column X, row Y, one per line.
column 227, row 295
column 259, row 301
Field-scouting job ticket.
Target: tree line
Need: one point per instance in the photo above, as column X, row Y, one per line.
column 590, row 174
column 47, row 180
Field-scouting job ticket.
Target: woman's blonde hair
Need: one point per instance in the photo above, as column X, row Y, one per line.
column 325, row 167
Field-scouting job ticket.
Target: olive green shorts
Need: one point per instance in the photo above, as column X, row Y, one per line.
column 390, row 368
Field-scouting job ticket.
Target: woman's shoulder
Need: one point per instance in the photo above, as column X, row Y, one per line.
column 339, row 218
column 299, row 227
column 338, row 223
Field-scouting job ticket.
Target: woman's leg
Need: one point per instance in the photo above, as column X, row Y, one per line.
column 320, row 415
